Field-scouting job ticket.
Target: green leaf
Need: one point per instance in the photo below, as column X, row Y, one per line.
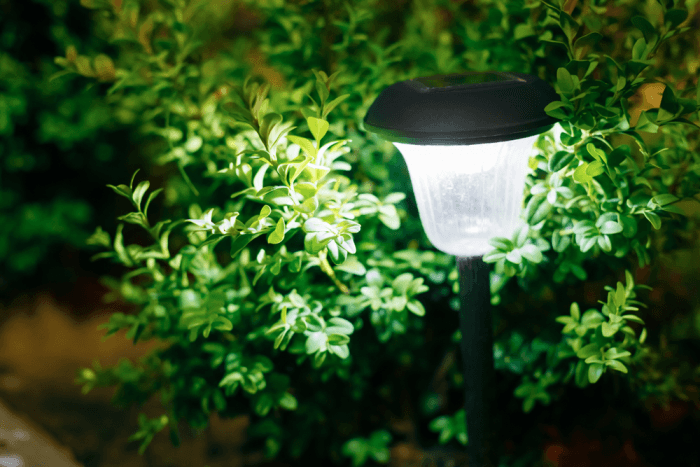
column 580, row 174
column 288, row 402
column 100, row 237
column 140, row 191
column 588, row 351
column 597, row 154
column 553, row 109
column 514, row 256
column 322, row 91
column 616, row 365
column 644, row 124
column 315, row 224
column 224, row 324
column 338, row 339
column 339, row 326
column 566, row 192
column 265, row 211
column 315, row 341
column 595, row 371
column 587, row 40
column 501, row 243
column 531, row 253
column 583, row 227
column 618, row 155
column 277, row 235
column 317, row 127
column 614, row 353
column 560, row 160
column 306, row 145
column 568, row 25
column 332, row 104
column 133, row 218
column 629, row 226
column 611, row 227
column 674, row 209
column 122, row 253
column 675, row 17
column 629, row 279
column 684, row 120
column 557, row 43
column 522, row 30
column 416, row 307
column 653, row 218
column 664, row 199
column 575, row 311
column 122, row 190
column 315, row 172
column 307, row 207
column 670, row 107
column 564, row 320
column 241, row 241
column 608, row 329
column 566, row 84
column 612, row 62
column 104, row 67
column 338, row 255
column 560, row 242
column 352, row 266
column 153, row 194
column 641, row 23
column 193, row 144
column 537, row 209
column 636, row 66
column 604, row 243
column 342, row 351
column 389, row 216
column 620, row 295
column 571, row 139
column 581, row 374
column 493, row 256
column 640, row 46
column 621, row 83
column 594, row 169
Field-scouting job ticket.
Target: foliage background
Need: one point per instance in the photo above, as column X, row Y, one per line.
column 415, row 386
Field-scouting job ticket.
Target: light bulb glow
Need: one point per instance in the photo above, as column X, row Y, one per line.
column 462, row 158
column 468, row 194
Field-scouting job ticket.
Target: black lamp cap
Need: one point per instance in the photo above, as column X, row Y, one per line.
column 462, row 109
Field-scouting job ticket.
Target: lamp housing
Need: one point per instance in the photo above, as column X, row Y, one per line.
column 466, row 139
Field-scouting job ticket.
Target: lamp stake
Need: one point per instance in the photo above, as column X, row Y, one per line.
column 475, row 323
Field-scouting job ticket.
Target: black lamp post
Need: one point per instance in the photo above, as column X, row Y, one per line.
column 466, row 139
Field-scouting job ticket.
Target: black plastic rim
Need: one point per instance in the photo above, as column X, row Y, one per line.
column 462, row 109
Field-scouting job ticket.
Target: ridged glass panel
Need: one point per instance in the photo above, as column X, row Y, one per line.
column 468, row 194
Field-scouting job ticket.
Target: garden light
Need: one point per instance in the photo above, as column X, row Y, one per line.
column 466, row 139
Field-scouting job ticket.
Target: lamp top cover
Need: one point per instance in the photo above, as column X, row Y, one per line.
column 462, row 109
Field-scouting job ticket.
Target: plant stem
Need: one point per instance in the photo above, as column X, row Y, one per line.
column 326, row 267
column 187, row 179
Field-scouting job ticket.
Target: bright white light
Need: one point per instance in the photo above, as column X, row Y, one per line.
column 468, row 194
column 463, row 159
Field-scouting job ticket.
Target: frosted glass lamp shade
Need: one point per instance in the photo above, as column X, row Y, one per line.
column 467, row 194
column 466, row 138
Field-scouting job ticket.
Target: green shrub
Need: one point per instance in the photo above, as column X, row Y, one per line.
column 293, row 270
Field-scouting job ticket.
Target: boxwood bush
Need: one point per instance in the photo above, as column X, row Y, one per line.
column 286, row 272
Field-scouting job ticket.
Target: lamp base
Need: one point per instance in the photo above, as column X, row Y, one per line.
column 475, row 323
